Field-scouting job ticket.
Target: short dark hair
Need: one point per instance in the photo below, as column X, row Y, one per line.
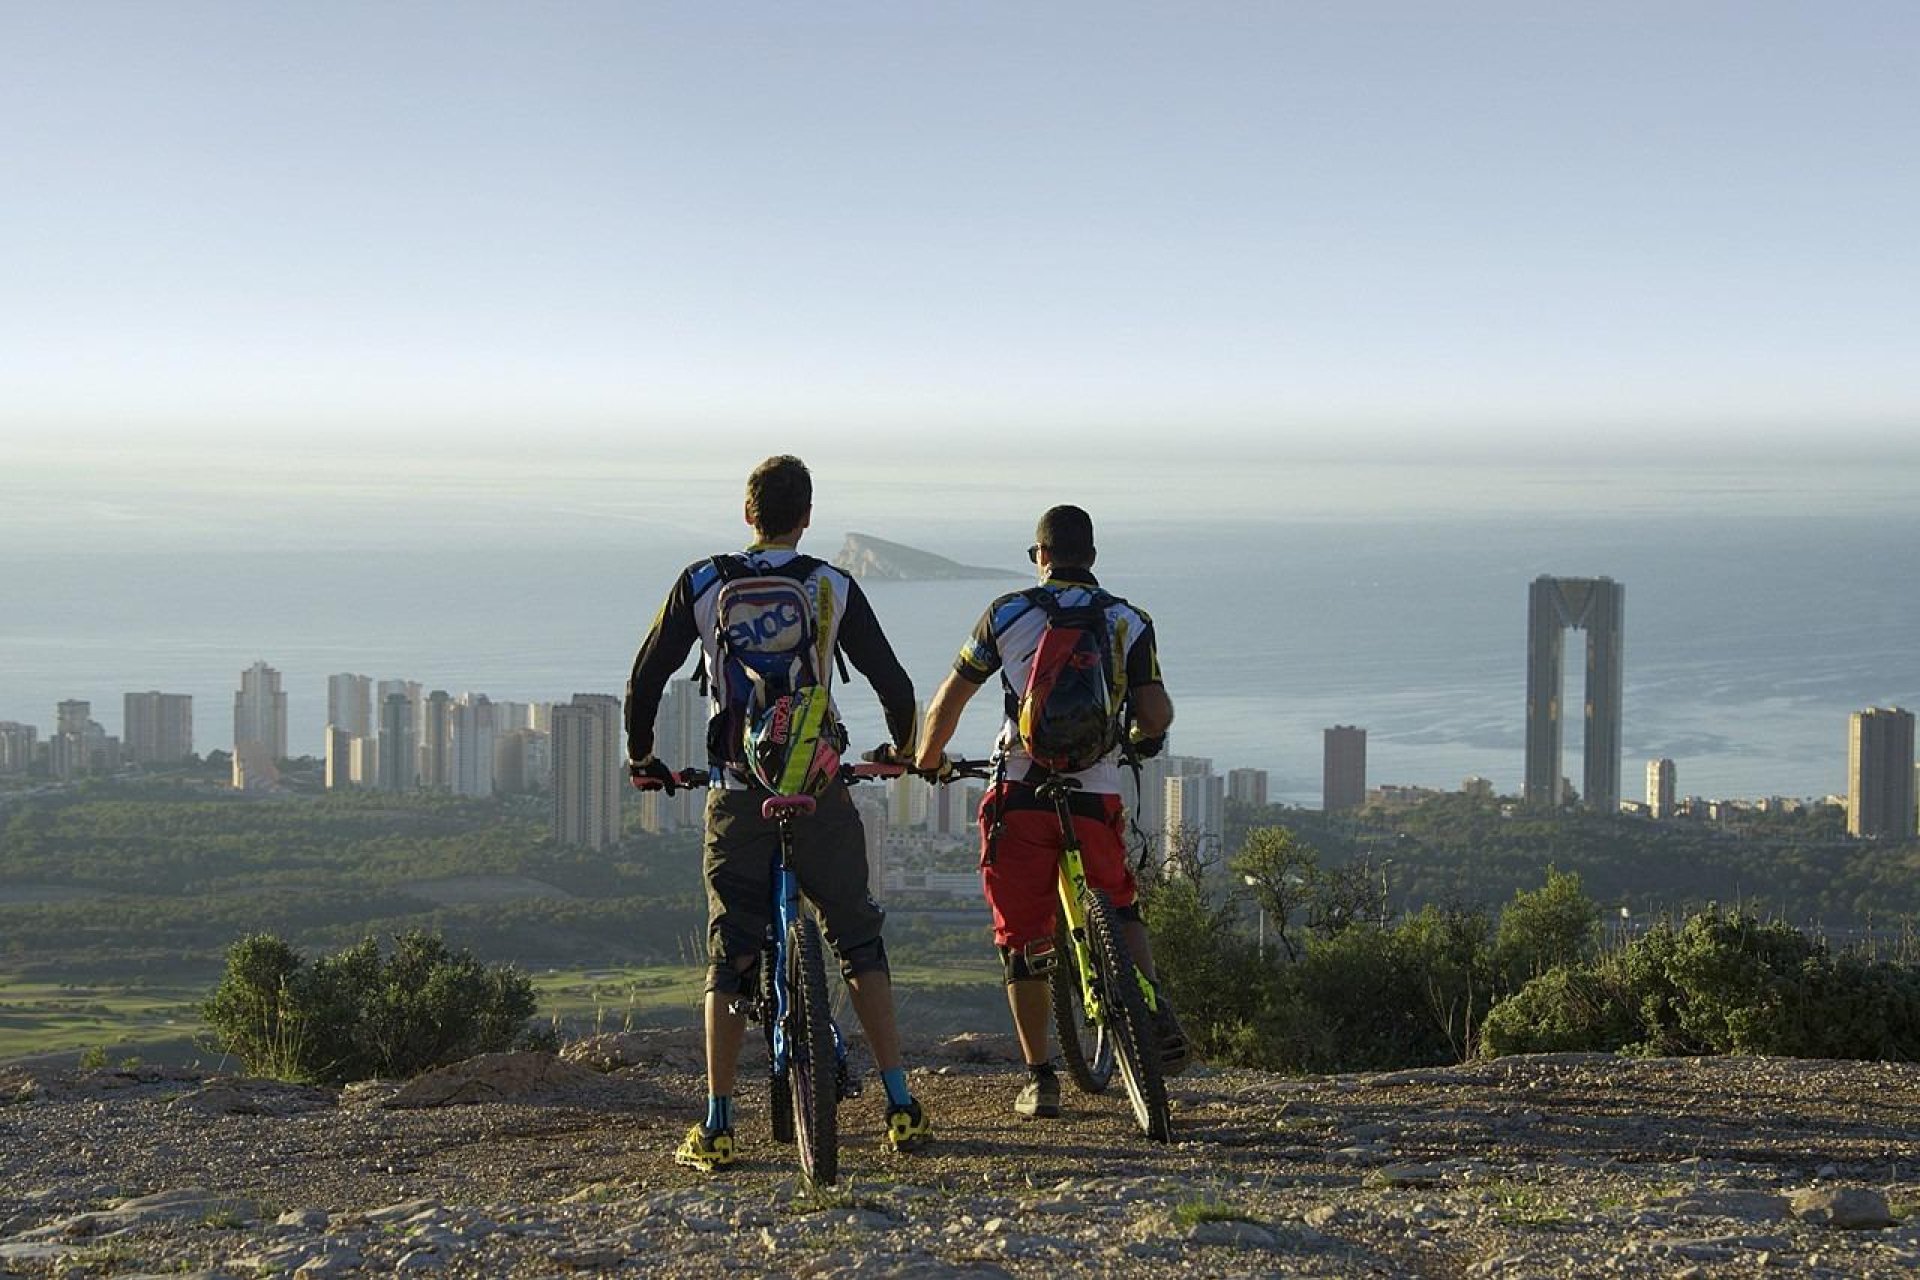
column 1067, row 534
column 779, row 493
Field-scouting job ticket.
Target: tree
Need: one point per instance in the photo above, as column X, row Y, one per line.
column 1556, row 924
column 1280, row 873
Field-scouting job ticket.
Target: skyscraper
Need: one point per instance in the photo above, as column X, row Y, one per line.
column 1247, row 786
column 260, row 712
column 339, row 758
column 1195, row 805
column 159, row 727
column 1343, row 768
column 470, row 733
column 1598, row 607
column 436, row 742
column 350, row 703
column 1660, row 788
column 395, row 761
column 1880, row 777
column 587, row 768
column 16, row 746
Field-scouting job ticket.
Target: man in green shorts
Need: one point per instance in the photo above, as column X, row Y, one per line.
column 829, row 848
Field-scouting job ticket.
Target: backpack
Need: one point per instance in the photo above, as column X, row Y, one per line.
column 772, row 676
column 1068, row 715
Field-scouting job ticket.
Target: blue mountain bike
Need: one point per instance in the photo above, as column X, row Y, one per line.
column 808, row 1071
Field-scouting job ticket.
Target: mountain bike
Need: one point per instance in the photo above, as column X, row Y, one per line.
column 808, row 1071
column 1103, row 1004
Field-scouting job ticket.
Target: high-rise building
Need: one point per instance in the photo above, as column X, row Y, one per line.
column 680, row 742
column 1660, row 788
column 1195, row 807
column 17, row 742
column 396, row 757
column 159, row 727
column 1149, row 803
column 339, row 758
column 1880, row 773
column 587, row 766
column 260, row 712
column 1598, row 607
column 1247, row 786
column 363, row 762
column 1343, row 768
column 471, row 734
column 350, row 703
column 436, row 742
column 79, row 745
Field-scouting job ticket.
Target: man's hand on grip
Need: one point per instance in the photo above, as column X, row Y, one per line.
column 649, row 774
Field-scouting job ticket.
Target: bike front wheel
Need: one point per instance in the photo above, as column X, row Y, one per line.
column 780, row 1074
column 1136, row 1045
column 1085, row 1046
column 812, row 1069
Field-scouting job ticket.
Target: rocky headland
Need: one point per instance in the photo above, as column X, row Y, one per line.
column 528, row 1164
column 877, row 560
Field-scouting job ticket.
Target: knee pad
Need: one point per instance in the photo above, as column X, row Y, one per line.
column 725, row 977
column 1129, row 912
column 868, row 957
column 1035, row 960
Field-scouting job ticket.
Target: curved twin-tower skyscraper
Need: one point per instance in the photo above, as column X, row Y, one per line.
column 1596, row 606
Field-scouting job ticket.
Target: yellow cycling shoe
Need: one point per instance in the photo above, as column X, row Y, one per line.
column 707, row 1151
column 908, row 1128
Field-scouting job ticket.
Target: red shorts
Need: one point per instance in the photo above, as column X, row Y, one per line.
column 1020, row 881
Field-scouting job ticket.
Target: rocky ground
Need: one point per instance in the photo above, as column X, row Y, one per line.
column 528, row 1165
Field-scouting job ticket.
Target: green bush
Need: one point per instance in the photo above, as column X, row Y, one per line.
column 357, row 1014
column 1720, row 983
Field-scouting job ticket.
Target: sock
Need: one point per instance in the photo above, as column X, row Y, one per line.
column 895, row 1078
column 719, row 1114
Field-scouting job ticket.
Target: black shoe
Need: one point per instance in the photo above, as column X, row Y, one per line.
column 1174, row 1054
column 1040, row 1098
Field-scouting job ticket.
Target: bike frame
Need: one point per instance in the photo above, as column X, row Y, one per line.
column 786, row 910
column 1074, row 891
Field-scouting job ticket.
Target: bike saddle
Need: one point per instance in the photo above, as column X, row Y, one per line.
column 776, row 808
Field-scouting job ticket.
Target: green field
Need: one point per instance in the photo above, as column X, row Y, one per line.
column 122, row 1020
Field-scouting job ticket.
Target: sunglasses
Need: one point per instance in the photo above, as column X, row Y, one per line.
column 1033, row 552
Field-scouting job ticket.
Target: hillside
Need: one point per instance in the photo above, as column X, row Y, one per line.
column 875, row 559
column 1550, row 1166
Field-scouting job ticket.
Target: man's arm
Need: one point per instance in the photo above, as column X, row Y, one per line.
column 1151, row 708
column 943, row 717
column 673, row 633
column 872, row 656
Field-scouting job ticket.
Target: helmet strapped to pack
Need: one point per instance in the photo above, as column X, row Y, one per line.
column 1068, row 716
column 773, row 669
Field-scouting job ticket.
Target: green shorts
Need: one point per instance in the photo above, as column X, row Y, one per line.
column 829, row 858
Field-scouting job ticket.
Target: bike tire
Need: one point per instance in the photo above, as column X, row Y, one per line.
column 812, row 1069
column 1136, row 1045
column 779, row 1080
column 1086, row 1047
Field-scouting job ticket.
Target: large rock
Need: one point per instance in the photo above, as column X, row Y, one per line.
column 496, row 1077
column 1847, row 1208
column 677, row 1049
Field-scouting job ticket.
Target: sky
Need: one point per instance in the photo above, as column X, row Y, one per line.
column 640, row 232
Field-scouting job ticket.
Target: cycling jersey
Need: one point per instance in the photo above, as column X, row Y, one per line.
column 1005, row 638
column 687, row 618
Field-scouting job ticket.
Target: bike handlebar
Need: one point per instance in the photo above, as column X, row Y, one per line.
column 691, row 778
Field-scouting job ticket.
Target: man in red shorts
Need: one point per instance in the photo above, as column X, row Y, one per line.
column 1021, row 872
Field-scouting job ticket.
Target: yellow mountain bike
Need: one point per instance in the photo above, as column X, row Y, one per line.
column 1103, row 1004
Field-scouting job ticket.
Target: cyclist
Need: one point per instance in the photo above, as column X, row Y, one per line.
column 829, row 849
column 1019, row 870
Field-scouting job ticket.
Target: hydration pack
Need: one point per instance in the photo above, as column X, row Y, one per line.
column 772, row 675
column 1069, row 714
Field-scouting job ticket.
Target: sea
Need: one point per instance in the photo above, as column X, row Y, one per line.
column 1761, row 610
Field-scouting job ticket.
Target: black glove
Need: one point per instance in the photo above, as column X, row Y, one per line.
column 886, row 754
column 649, row 774
column 942, row 772
column 1146, row 748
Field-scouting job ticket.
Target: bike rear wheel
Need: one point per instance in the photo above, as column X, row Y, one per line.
column 1136, row 1046
column 780, row 1078
column 1086, row 1047
column 812, row 1069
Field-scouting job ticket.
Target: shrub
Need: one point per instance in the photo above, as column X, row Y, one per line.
column 1564, row 1010
column 357, row 1014
column 1556, row 924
